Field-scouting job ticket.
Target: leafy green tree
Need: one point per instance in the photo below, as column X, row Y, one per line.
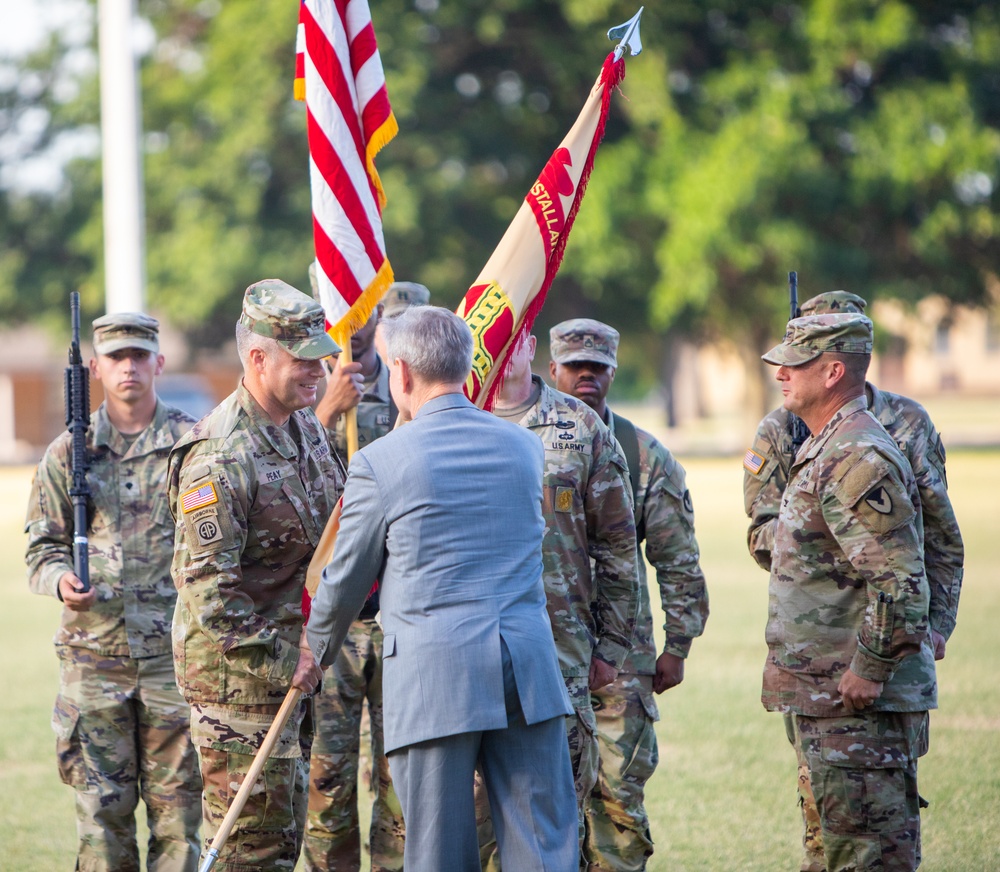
column 856, row 141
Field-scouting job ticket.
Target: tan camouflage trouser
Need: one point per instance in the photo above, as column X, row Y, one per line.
column 332, row 831
column 863, row 774
column 617, row 827
column 581, row 733
column 267, row 835
column 122, row 732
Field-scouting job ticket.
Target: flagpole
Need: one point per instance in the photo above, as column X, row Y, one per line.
column 243, row 794
column 351, row 415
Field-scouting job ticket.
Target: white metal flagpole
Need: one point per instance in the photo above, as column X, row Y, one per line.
column 124, row 218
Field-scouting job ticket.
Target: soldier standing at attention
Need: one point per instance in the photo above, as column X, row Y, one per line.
column 589, row 561
column 122, row 725
column 251, row 487
column 332, row 839
column 850, row 656
column 766, row 468
column 584, row 359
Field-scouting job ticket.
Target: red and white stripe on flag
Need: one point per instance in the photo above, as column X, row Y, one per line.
column 339, row 73
column 502, row 303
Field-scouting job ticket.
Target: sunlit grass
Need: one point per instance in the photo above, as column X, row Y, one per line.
column 724, row 795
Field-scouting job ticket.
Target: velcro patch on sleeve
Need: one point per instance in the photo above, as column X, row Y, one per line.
column 860, row 477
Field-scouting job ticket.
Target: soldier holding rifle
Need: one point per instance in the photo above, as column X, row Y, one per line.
column 121, row 724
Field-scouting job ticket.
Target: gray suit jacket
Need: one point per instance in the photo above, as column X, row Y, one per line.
column 446, row 513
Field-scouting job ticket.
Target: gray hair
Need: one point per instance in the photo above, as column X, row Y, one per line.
column 247, row 340
column 434, row 342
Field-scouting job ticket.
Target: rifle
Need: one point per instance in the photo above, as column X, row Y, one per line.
column 793, row 295
column 796, row 426
column 77, row 385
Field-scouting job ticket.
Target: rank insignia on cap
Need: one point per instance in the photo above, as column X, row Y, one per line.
column 198, row 498
column 752, row 461
column 880, row 500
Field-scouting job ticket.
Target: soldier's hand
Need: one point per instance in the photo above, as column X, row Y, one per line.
column 601, row 673
column 344, row 388
column 939, row 643
column 308, row 672
column 858, row 693
column 72, row 596
column 669, row 672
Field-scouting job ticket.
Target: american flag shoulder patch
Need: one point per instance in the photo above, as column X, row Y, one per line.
column 198, row 498
column 753, row 462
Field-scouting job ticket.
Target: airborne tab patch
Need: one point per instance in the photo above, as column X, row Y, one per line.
column 753, row 462
column 198, row 498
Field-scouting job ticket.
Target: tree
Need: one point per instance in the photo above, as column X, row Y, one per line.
column 855, row 141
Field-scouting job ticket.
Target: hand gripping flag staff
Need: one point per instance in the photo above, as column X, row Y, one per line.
column 504, row 300
column 338, row 72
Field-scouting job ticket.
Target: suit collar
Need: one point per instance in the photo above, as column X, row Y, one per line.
column 445, row 401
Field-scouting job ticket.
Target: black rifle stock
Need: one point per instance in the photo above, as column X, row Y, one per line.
column 796, row 427
column 77, row 384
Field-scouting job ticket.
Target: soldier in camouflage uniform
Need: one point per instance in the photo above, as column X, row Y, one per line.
column 850, row 655
column 251, row 487
column 766, row 468
column 584, row 360
column 589, row 559
column 122, row 725
column 332, row 829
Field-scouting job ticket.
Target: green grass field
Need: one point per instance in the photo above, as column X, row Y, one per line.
column 724, row 795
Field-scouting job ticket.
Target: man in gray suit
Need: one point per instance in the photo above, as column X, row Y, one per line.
column 446, row 512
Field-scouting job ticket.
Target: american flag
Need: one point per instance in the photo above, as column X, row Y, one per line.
column 339, row 75
column 202, row 496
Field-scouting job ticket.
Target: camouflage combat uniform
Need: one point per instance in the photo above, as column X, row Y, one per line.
column 251, row 500
column 848, row 589
column 121, row 723
column 593, row 609
column 332, row 838
column 910, row 427
column 618, row 836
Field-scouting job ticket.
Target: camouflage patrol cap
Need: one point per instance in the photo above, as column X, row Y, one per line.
column 808, row 337
column 583, row 339
column 834, row 301
column 275, row 309
column 126, row 330
column 402, row 295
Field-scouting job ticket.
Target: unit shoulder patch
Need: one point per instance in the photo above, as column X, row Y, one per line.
column 885, row 507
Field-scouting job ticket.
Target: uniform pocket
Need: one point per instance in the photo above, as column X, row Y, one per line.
column 389, row 645
column 69, row 754
column 861, row 783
